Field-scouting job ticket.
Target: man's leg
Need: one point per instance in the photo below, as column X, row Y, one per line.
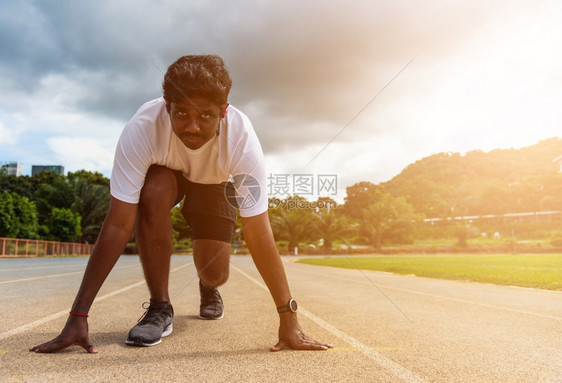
column 212, row 259
column 153, row 233
column 153, row 230
column 211, row 218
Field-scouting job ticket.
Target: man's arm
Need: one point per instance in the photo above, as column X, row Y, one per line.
column 115, row 233
column 261, row 243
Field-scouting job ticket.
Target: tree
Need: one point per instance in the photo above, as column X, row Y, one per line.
column 385, row 216
column 332, row 225
column 95, row 178
column 83, row 192
column 20, row 185
column 181, row 230
column 358, row 197
column 64, row 225
column 292, row 223
column 8, row 225
column 26, row 217
column 462, row 232
column 18, row 216
column 91, row 202
column 44, row 178
column 52, row 192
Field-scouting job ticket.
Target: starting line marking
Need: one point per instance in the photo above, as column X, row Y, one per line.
column 399, row 371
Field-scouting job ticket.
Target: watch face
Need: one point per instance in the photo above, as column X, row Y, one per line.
column 293, row 305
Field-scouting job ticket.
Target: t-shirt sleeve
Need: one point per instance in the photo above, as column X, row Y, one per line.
column 133, row 157
column 248, row 172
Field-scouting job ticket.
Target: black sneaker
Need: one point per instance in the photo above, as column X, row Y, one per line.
column 211, row 303
column 155, row 324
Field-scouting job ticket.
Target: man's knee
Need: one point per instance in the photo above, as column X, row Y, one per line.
column 214, row 272
column 212, row 259
column 214, row 278
column 159, row 189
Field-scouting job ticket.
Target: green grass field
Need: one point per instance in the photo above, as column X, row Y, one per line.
column 539, row 271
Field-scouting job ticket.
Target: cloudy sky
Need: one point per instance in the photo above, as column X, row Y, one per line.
column 455, row 76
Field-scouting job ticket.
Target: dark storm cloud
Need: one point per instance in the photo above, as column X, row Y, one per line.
column 301, row 69
column 71, row 40
column 313, row 66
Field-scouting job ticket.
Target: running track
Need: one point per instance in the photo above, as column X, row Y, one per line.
column 384, row 327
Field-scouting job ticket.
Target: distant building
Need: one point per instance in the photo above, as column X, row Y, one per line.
column 58, row 169
column 13, row 168
column 558, row 160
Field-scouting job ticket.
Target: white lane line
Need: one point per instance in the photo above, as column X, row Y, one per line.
column 464, row 301
column 29, row 326
column 40, row 268
column 58, row 275
column 398, row 370
column 42, row 277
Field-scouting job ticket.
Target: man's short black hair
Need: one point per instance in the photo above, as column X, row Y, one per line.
column 197, row 75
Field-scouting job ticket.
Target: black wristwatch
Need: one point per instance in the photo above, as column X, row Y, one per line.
column 291, row 306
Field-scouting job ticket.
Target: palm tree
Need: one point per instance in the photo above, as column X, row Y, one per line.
column 291, row 225
column 332, row 225
column 293, row 221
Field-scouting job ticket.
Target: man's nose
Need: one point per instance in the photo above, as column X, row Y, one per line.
column 191, row 126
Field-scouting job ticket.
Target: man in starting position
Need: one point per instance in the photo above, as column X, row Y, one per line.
column 187, row 144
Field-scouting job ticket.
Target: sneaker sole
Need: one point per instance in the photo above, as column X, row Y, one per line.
column 167, row 331
column 211, row 318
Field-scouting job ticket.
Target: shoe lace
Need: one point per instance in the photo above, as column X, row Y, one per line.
column 211, row 295
column 151, row 315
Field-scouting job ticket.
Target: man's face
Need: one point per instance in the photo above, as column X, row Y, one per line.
column 195, row 121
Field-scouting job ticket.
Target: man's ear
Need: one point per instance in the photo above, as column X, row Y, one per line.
column 225, row 106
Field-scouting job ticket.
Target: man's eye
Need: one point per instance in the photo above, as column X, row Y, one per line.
column 206, row 116
column 181, row 114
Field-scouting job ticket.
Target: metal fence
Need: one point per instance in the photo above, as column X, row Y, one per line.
column 15, row 247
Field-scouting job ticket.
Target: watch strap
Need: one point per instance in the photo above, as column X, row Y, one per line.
column 290, row 306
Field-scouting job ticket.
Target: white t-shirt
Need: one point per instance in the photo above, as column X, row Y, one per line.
column 148, row 139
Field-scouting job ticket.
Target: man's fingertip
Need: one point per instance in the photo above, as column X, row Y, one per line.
column 92, row 350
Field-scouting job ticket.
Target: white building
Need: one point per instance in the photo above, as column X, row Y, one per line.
column 13, row 168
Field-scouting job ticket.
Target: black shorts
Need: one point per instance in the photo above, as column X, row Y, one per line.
column 206, row 209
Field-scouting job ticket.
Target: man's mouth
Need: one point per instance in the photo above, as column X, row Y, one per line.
column 191, row 137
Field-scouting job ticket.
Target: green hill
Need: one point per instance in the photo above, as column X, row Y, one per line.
column 497, row 182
